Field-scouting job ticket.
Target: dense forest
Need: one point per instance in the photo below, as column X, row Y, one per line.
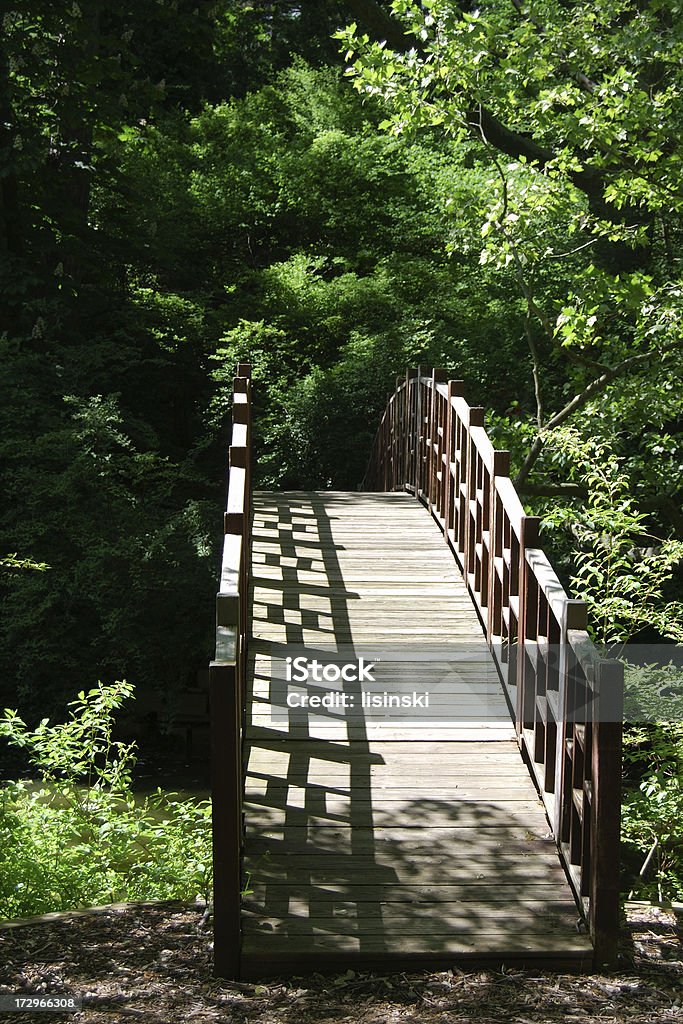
column 331, row 190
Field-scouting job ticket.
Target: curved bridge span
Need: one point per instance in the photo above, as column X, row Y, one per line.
column 453, row 796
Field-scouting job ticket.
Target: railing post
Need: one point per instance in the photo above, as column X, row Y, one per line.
column 455, row 390
column 447, row 480
column 433, row 454
column 226, row 804
column 396, row 446
column 500, row 467
column 527, row 612
column 419, row 432
column 605, row 810
column 475, row 418
column 387, row 441
column 575, row 617
column 244, row 370
column 411, row 426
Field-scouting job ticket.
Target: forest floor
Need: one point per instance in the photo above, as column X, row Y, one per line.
column 152, row 963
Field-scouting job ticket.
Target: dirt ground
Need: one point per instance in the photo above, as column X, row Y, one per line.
column 152, row 963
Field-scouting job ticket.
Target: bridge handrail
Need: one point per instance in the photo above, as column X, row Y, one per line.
column 227, row 685
column 566, row 699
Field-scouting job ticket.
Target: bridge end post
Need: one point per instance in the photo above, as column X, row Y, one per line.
column 606, row 812
column 226, row 800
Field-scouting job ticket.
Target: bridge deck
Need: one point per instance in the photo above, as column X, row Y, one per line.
column 386, row 841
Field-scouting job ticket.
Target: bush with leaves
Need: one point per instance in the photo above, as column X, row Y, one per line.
column 621, row 570
column 79, row 835
column 652, row 807
column 123, row 528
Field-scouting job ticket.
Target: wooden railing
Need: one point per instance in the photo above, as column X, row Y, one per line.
column 565, row 699
column 227, row 681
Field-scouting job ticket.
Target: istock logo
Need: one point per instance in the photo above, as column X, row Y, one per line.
column 304, row 670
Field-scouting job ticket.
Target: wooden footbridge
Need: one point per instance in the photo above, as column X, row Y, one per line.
column 345, row 837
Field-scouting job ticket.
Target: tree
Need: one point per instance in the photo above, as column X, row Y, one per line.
column 576, row 110
column 73, row 78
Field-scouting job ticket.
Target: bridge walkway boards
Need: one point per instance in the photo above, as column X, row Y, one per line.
column 376, row 839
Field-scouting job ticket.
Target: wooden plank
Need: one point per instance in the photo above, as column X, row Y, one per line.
column 442, row 708
column 518, row 861
column 340, row 754
column 428, row 751
column 501, row 943
column 422, row 781
column 291, row 633
column 461, row 789
column 392, row 919
column 302, row 770
column 383, row 754
column 503, row 855
column 318, row 873
column 370, row 731
column 389, row 929
column 371, row 589
column 468, row 815
column 529, row 838
column 380, row 777
column 369, row 790
column 502, row 892
column 372, row 918
column 450, row 716
column 346, row 541
column 391, row 611
column 379, row 732
column 262, row 966
column 264, row 816
column 357, row 725
column 455, row 692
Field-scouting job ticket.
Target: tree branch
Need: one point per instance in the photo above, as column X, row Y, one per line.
column 514, row 144
column 597, row 385
column 553, row 490
column 535, row 371
column 381, row 25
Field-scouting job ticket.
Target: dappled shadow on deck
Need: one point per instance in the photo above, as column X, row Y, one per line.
column 381, row 853
column 297, row 818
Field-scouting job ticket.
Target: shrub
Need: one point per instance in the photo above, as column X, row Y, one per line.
column 79, row 836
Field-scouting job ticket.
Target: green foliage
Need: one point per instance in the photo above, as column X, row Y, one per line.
column 80, row 836
column 623, row 574
column 256, row 39
column 569, row 117
column 118, row 524
column 596, row 84
column 652, row 803
column 652, row 809
column 619, row 571
column 10, row 563
column 653, row 693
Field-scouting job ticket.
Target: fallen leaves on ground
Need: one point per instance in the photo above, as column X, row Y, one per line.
column 152, row 963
